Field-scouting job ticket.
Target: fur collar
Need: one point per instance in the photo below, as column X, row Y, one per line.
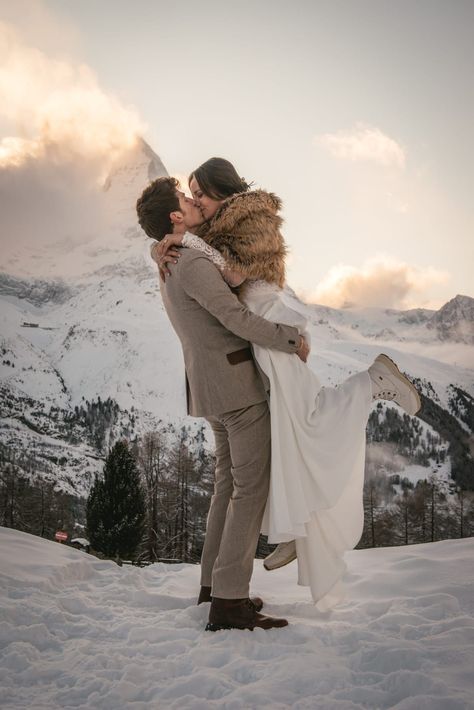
column 246, row 230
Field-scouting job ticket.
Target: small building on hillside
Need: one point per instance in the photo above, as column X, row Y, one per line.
column 80, row 543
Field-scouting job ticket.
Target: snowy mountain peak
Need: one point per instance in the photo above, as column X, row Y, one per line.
column 103, row 229
column 458, row 307
column 136, row 168
column 455, row 320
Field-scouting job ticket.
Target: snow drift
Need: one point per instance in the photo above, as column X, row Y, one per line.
column 78, row 632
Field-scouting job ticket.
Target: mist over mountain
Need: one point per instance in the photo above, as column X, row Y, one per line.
column 89, row 356
column 66, row 223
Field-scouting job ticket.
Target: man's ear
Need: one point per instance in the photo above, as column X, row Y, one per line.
column 176, row 217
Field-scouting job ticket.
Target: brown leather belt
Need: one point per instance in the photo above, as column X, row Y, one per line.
column 239, row 356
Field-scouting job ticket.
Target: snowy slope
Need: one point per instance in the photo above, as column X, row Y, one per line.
column 116, row 323
column 112, row 338
column 105, row 334
column 77, row 632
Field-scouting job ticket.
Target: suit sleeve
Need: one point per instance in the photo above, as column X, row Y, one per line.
column 202, row 281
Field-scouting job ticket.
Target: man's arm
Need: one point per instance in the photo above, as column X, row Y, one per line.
column 202, row 281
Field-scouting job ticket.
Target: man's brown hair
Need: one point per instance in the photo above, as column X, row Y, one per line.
column 154, row 207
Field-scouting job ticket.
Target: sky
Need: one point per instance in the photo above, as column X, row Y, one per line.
column 358, row 114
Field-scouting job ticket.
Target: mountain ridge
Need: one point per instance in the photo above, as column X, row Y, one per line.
column 103, row 333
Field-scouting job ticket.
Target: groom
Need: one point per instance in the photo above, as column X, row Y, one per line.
column 224, row 386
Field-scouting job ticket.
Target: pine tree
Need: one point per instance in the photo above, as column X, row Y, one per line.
column 116, row 507
column 151, row 452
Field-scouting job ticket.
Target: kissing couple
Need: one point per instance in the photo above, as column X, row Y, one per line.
column 290, row 453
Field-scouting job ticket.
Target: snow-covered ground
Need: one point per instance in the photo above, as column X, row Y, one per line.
column 77, row 632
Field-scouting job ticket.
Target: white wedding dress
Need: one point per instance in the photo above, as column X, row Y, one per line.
column 318, row 450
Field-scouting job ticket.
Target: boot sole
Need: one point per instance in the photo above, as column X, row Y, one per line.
column 227, row 627
column 393, row 367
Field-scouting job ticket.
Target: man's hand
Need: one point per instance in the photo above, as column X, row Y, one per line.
column 303, row 349
column 233, row 278
column 165, row 251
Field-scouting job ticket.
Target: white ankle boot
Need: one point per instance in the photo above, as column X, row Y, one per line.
column 281, row 556
column 389, row 383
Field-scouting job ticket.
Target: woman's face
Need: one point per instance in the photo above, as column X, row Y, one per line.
column 207, row 205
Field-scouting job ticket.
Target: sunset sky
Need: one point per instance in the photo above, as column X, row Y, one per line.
column 359, row 114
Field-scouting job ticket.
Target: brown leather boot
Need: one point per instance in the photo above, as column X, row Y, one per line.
column 205, row 596
column 239, row 614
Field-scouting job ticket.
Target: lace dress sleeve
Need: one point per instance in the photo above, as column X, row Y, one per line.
column 195, row 242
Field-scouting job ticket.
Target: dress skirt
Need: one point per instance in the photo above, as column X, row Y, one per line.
column 318, row 455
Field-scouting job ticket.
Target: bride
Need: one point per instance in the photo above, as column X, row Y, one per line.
column 315, row 507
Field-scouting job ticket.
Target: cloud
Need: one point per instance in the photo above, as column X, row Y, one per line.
column 59, row 109
column 363, row 143
column 381, row 281
column 65, row 132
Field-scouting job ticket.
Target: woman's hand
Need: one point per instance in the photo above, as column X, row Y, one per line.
column 165, row 251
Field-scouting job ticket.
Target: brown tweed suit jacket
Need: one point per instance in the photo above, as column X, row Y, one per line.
column 215, row 330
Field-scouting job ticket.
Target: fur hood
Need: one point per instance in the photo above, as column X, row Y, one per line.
column 246, row 230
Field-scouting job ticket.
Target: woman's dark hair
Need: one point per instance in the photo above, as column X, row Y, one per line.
column 218, row 179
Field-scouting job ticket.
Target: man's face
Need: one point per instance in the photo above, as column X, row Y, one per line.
column 192, row 216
